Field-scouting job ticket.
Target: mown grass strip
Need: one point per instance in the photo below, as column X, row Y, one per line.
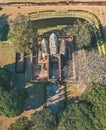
column 44, row 11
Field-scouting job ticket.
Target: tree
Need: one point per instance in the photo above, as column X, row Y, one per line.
column 97, row 97
column 43, row 120
column 5, row 79
column 76, row 117
column 20, row 124
column 11, row 103
column 82, row 32
column 23, row 34
column 4, row 27
column 88, row 114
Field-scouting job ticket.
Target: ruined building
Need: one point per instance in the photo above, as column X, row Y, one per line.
column 48, row 63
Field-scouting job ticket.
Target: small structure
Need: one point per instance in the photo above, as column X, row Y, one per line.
column 63, row 47
column 53, row 44
column 44, row 48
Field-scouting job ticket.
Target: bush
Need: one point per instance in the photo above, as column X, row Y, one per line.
column 88, row 114
column 5, row 79
column 21, row 124
column 11, row 103
column 44, row 120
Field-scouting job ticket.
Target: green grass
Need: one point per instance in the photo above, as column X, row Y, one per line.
column 32, row 13
column 50, row 29
column 43, row 11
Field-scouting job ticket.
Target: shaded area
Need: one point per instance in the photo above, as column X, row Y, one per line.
column 4, row 27
column 55, row 97
column 50, row 22
column 36, row 91
column 20, row 79
column 20, row 63
column 36, row 95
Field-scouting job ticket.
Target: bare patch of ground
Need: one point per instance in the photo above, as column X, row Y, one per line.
column 7, row 54
column 5, row 122
column 74, row 90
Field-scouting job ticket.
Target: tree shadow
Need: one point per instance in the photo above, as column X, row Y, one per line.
column 103, row 31
column 55, row 97
column 36, row 96
column 4, row 27
column 20, row 71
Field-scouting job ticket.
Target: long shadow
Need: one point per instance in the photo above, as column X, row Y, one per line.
column 103, row 32
column 20, row 71
column 55, row 100
column 18, row 79
column 4, row 27
column 36, row 97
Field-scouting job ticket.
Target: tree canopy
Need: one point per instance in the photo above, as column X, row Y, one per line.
column 96, row 96
column 11, row 103
column 88, row 114
column 43, row 120
column 83, row 34
column 4, row 27
column 23, row 33
column 20, row 124
column 5, row 79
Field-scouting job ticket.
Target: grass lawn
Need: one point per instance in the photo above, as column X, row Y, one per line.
column 7, row 54
column 51, row 29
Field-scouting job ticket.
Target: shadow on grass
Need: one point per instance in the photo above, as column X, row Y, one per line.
column 4, row 27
